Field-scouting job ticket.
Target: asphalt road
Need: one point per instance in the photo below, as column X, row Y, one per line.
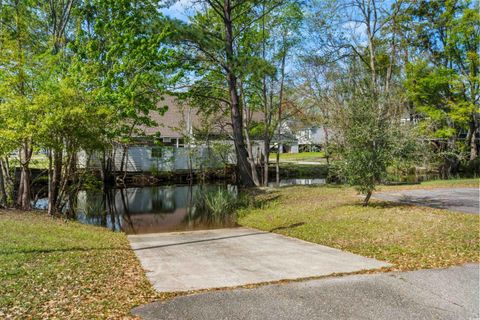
column 426, row 294
column 456, row 199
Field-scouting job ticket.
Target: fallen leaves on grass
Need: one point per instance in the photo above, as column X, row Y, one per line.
column 409, row 237
column 50, row 268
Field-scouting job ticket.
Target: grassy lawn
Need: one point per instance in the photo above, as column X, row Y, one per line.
column 50, row 268
column 302, row 156
column 458, row 183
column 38, row 161
column 410, row 237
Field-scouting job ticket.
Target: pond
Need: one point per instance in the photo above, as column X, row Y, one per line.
column 162, row 208
column 154, row 209
column 301, row 182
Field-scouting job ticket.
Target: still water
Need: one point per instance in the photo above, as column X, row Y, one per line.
column 153, row 209
column 293, row 182
column 159, row 208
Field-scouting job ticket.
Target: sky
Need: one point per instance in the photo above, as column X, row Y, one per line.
column 180, row 9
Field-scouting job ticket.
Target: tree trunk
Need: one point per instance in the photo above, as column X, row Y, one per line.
column 367, row 198
column 124, row 163
column 277, row 163
column 8, row 183
column 3, row 192
column 24, row 191
column 266, row 153
column 243, row 166
column 50, row 183
column 106, row 169
column 24, row 196
column 327, row 154
column 266, row 107
column 251, row 160
column 471, row 143
column 282, row 80
column 54, row 178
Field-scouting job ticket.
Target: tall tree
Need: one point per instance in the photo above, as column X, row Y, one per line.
column 22, row 43
column 214, row 40
column 283, row 35
column 77, row 75
column 354, row 57
column 443, row 73
column 123, row 61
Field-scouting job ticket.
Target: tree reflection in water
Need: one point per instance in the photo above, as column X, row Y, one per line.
column 158, row 209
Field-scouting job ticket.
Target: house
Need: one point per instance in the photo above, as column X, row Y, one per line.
column 311, row 138
column 186, row 139
column 183, row 139
column 298, row 136
column 299, row 130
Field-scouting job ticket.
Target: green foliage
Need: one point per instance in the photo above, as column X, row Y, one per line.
column 221, row 202
column 21, row 48
column 444, row 85
column 438, row 93
column 122, row 61
column 221, row 151
column 371, row 140
column 78, row 75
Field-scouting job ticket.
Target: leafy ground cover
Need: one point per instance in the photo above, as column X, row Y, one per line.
column 409, row 237
column 51, row 268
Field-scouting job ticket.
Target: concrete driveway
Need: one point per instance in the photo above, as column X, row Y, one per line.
column 456, row 199
column 427, row 294
column 183, row 261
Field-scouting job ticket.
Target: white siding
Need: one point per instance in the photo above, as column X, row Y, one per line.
column 313, row 135
column 140, row 158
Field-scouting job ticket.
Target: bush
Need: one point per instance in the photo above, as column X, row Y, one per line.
column 370, row 139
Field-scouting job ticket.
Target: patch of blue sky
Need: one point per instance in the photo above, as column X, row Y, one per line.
column 180, row 9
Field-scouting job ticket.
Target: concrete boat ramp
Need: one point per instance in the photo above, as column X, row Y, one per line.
column 194, row 260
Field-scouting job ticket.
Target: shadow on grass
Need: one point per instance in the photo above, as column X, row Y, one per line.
column 257, row 198
column 384, row 205
column 294, row 225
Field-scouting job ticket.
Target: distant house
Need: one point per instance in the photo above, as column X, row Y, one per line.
column 172, row 144
column 311, row 138
column 299, row 137
column 299, row 131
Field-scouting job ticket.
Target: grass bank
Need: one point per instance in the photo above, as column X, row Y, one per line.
column 409, row 237
column 51, row 268
column 301, row 156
